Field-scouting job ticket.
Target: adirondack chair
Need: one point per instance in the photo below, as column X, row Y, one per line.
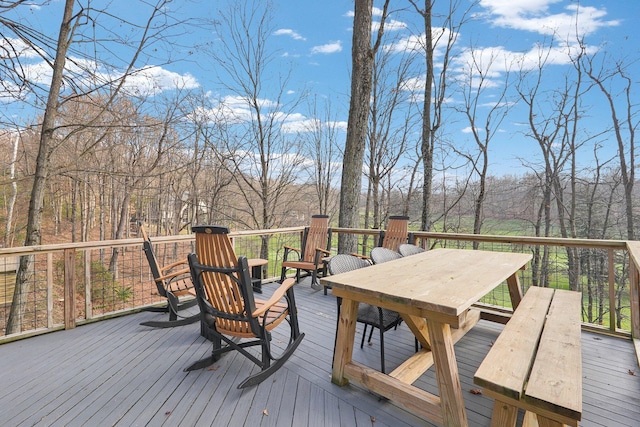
column 312, row 257
column 174, row 283
column 396, row 234
column 228, row 307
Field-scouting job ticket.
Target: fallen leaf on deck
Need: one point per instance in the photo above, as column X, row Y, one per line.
column 167, row 413
column 265, row 412
column 476, row 391
column 212, row 368
column 631, row 372
column 373, row 419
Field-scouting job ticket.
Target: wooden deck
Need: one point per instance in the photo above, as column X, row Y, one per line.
column 116, row 372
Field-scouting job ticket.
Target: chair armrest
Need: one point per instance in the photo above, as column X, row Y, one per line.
column 172, row 275
column 288, row 249
column 360, row 256
column 277, row 296
column 175, row 264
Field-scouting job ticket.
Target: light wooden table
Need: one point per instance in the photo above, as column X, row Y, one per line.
column 440, row 286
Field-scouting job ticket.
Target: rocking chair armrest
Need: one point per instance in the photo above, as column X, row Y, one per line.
column 172, row 275
column 360, row 256
column 288, row 249
column 324, row 251
column 173, row 265
column 277, row 296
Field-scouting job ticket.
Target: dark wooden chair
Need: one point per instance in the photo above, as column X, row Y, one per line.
column 235, row 319
column 173, row 282
column 311, row 258
column 369, row 315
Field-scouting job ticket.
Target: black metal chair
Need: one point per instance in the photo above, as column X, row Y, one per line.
column 174, row 283
column 408, row 249
column 369, row 315
column 229, row 310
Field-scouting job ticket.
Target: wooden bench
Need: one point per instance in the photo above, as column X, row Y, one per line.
column 536, row 363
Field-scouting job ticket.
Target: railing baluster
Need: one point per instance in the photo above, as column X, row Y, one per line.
column 69, row 288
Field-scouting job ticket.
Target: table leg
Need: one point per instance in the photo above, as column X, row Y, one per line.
column 419, row 328
column 345, row 336
column 256, row 278
column 451, row 400
column 515, row 291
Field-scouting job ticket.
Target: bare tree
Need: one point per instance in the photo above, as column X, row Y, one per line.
column 616, row 85
column 391, row 121
column 484, row 120
column 63, row 87
column 443, row 37
column 266, row 159
column 323, row 149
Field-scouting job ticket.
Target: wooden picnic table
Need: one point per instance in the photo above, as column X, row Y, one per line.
column 438, row 286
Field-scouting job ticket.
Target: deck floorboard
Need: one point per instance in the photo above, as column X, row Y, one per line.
column 116, row 372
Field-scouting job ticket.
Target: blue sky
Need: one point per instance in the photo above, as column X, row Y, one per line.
column 314, row 38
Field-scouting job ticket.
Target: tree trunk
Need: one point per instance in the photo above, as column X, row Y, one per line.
column 36, row 202
column 351, row 185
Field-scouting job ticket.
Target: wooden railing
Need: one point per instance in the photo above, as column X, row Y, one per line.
column 77, row 283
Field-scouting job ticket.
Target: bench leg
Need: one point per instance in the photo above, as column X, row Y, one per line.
column 503, row 415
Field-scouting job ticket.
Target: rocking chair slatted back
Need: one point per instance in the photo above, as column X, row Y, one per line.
column 396, row 233
column 316, row 237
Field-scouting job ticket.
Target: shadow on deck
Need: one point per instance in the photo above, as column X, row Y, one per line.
column 116, row 372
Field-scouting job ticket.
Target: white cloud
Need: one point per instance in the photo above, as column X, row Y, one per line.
column 328, row 48
column 536, row 16
column 416, row 43
column 389, row 25
column 288, row 32
column 153, row 80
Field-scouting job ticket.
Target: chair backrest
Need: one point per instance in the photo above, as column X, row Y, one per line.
column 342, row 263
column 223, row 280
column 315, row 236
column 153, row 262
column 380, row 255
column 396, row 233
column 407, row 249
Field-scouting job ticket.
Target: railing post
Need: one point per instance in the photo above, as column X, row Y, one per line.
column 612, row 292
column 633, row 297
column 88, row 307
column 50, row 290
column 69, row 288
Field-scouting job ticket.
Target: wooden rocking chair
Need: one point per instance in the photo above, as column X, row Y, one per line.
column 173, row 282
column 228, row 307
column 312, row 257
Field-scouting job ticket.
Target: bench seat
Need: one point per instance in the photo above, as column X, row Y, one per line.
column 535, row 363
